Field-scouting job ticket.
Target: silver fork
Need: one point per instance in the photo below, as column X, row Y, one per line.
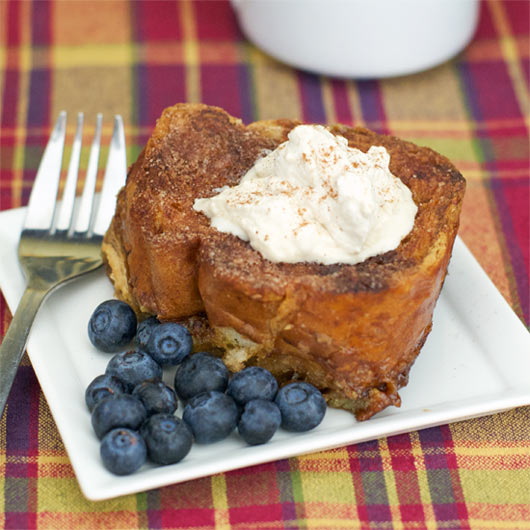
column 61, row 241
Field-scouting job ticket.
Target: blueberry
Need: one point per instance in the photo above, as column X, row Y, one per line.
column 112, row 326
column 101, row 387
column 123, row 451
column 156, row 397
column 200, row 373
column 302, row 406
column 133, row 367
column 211, row 416
column 144, row 330
column 118, row 410
column 168, row 438
column 252, row 383
column 259, row 421
column 169, row 344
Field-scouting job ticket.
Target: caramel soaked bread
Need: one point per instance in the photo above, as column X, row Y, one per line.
column 352, row 330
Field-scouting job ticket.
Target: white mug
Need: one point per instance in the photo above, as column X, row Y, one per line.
column 359, row 38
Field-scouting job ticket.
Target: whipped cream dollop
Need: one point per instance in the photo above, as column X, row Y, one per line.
column 315, row 199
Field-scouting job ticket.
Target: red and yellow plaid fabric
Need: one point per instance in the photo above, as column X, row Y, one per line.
column 135, row 58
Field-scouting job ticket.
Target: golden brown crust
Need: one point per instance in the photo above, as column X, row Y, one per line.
column 194, row 150
column 354, row 330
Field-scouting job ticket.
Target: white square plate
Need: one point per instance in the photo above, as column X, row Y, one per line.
column 475, row 362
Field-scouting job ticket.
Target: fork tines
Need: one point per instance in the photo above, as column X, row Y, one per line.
column 89, row 215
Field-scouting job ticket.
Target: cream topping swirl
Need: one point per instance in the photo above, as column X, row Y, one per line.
column 315, row 199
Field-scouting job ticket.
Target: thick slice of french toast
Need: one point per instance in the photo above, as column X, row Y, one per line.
column 352, row 330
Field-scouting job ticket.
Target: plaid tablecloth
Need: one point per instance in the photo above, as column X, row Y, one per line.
column 135, row 58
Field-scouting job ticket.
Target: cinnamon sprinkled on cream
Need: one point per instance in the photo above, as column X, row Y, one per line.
column 316, row 199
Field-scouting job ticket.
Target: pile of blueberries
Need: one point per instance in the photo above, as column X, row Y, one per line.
column 133, row 410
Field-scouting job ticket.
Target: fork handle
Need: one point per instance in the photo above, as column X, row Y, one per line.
column 14, row 343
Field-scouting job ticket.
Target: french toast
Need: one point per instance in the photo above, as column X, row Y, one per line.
column 354, row 331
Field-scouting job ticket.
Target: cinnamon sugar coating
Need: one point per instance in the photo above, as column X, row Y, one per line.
column 353, row 330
